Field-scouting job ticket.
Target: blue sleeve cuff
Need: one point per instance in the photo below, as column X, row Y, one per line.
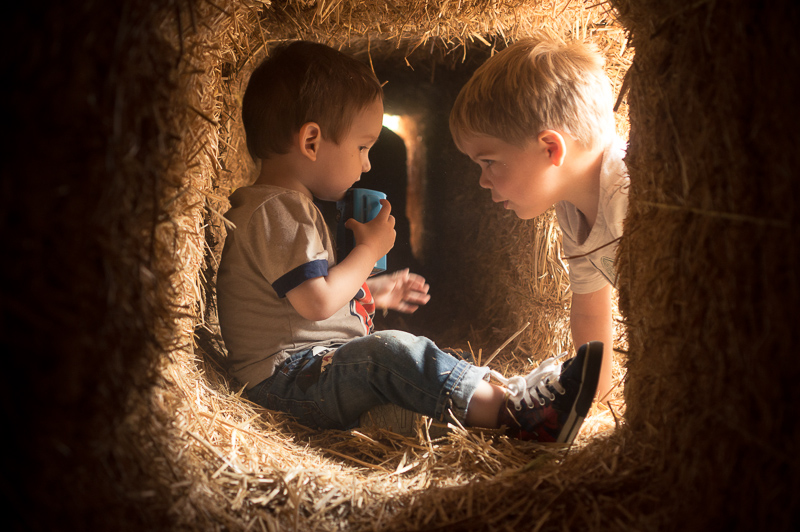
column 301, row 274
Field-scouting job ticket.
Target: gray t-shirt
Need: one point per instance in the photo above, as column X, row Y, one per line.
column 591, row 253
column 279, row 240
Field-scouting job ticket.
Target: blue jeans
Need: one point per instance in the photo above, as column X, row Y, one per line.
column 384, row 367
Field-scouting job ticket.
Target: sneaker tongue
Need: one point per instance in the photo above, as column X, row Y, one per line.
column 570, row 371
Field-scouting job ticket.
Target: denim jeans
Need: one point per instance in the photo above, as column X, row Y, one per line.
column 384, row 367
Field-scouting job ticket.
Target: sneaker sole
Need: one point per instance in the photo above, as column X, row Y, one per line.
column 589, row 379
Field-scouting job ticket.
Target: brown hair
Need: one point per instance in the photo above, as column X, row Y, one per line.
column 304, row 82
column 533, row 85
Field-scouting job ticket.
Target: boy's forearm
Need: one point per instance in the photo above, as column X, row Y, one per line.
column 590, row 320
column 345, row 279
column 320, row 298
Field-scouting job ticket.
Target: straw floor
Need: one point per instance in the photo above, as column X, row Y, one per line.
column 227, row 461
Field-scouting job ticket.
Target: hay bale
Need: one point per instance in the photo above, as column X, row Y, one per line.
column 114, row 229
column 88, row 96
column 710, row 282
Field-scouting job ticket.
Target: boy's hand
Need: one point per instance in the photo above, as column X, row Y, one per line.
column 378, row 234
column 402, row 291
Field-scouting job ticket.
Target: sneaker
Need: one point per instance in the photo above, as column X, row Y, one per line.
column 551, row 402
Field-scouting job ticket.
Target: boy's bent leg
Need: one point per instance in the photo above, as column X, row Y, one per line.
column 287, row 390
column 399, row 368
column 389, row 367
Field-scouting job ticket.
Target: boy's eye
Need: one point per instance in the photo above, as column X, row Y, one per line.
column 487, row 162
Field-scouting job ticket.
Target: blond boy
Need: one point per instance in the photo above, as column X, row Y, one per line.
column 537, row 117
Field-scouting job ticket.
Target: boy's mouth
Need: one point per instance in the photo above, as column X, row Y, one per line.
column 505, row 203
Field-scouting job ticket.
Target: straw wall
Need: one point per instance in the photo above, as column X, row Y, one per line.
column 711, row 259
column 89, row 88
column 123, row 144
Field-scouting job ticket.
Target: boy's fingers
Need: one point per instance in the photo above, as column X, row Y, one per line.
column 416, row 280
column 352, row 223
column 386, row 208
column 419, row 299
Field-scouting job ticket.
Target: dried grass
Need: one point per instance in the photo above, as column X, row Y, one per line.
column 227, row 461
column 132, row 426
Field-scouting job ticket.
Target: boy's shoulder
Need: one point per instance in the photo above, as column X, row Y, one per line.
column 278, row 201
column 254, row 196
column 612, row 200
column 615, row 181
column 262, row 193
column 614, row 169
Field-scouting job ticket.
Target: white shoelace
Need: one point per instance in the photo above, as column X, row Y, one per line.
column 535, row 384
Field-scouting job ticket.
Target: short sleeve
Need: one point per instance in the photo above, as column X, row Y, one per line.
column 287, row 238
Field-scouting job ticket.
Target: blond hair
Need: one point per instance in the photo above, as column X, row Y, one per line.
column 304, row 82
column 534, row 85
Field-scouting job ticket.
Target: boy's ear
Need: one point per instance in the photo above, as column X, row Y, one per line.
column 309, row 139
column 553, row 142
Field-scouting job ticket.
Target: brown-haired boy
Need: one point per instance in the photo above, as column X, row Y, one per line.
column 297, row 323
column 537, row 117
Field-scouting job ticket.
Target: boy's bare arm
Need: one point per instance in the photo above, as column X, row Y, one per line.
column 590, row 319
column 319, row 298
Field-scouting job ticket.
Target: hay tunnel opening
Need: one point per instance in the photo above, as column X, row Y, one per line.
column 391, row 174
column 125, row 143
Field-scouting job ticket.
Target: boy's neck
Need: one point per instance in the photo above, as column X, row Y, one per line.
column 282, row 171
column 583, row 168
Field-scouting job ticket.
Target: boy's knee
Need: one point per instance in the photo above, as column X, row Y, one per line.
column 394, row 338
column 395, row 345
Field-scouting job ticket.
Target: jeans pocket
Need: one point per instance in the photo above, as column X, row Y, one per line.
column 308, row 374
column 293, row 364
column 284, row 372
column 287, row 391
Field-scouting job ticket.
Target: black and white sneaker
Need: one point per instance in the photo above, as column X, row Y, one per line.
column 551, row 402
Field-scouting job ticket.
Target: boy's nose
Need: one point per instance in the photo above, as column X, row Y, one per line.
column 365, row 166
column 484, row 182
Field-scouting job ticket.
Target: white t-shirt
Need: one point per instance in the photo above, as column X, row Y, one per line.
column 592, row 252
column 280, row 240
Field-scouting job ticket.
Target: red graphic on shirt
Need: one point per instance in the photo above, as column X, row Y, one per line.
column 363, row 306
